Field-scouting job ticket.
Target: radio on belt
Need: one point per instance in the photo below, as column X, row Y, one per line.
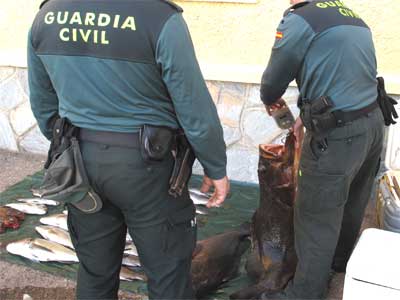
column 281, row 114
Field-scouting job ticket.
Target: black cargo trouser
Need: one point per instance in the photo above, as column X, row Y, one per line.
column 334, row 187
column 135, row 197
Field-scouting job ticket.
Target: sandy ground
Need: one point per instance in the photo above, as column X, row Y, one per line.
column 17, row 280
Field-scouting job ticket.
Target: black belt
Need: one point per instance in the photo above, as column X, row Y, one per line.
column 120, row 139
column 343, row 117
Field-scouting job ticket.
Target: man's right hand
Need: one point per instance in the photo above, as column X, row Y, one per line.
column 221, row 190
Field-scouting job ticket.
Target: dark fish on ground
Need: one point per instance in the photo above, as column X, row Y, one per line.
column 217, row 259
column 10, row 218
column 272, row 261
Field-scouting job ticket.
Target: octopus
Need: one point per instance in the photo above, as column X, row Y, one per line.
column 10, row 218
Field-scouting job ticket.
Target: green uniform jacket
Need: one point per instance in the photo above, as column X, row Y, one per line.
column 116, row 67
column 328, row 49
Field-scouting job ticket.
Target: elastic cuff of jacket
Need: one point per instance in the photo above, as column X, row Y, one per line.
column 215, row 175
column 268, row 95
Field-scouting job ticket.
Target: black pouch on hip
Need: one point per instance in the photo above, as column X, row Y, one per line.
column 155, row 142
column 386, row 103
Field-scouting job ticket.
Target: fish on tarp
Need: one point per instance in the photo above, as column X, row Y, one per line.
column 217, row 259
column 198, row 192
column 28, row 208
column 131, row 275
column 131, row 260
column 41, row 250
column 130, row 249
column 272, row 262
column 39, row 201
column 58, row 220
column 128, row 238
column 199, row 198
column 55, row 234
column 10, row 218
column 201, row 211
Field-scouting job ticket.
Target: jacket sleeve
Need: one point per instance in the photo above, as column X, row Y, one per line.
column 195, row 110
column 293, row 38
column 42, row 97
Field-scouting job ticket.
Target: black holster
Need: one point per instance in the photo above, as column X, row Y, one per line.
column 386, row 103
column 63, row 131
column 157, row 142
column 317, row 117
column 184, row 159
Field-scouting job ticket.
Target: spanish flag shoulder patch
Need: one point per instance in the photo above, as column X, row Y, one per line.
column 279, row 34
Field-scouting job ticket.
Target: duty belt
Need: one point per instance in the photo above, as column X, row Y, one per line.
column 343, row 117
column 120, row 139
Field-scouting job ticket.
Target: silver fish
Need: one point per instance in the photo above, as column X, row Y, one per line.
column 130, row 249
column 55, row 234
column 28, row 208
column 199, row 199
column 128, row 238
column 201, row 211
column 39, row 201
column 42, row 250
column 198, row 192
column 131, row 261
column 130, row 275
column 58, row 220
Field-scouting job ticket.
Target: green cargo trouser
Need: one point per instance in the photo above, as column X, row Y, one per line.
column 333, row 191
column 135, row 197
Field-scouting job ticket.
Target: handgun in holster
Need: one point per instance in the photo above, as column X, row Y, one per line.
column 317, row 116
column 318, row 119
column 157, row 142
column 184, row 159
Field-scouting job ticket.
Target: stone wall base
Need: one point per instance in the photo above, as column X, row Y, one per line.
column 243, row 116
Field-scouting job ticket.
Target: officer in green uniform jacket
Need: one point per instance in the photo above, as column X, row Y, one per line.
column 328, row 49
column 112, row 67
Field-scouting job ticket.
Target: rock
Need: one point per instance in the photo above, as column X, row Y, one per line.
column 22, row 77
column 35, row 142
column 11, row 94
column 231, row 135
column 7, row 138
column 214, row 88
column 291, row 95
column 6, row 72
column 197, row 168
column 242, row 164
column 234, row 88
column 253, row 98
column 259, row 127
column 22, row 118
column 230, row 107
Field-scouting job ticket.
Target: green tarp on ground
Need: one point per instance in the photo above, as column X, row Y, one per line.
column 238, row 208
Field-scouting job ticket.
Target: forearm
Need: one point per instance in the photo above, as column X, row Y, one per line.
column 42, row 97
